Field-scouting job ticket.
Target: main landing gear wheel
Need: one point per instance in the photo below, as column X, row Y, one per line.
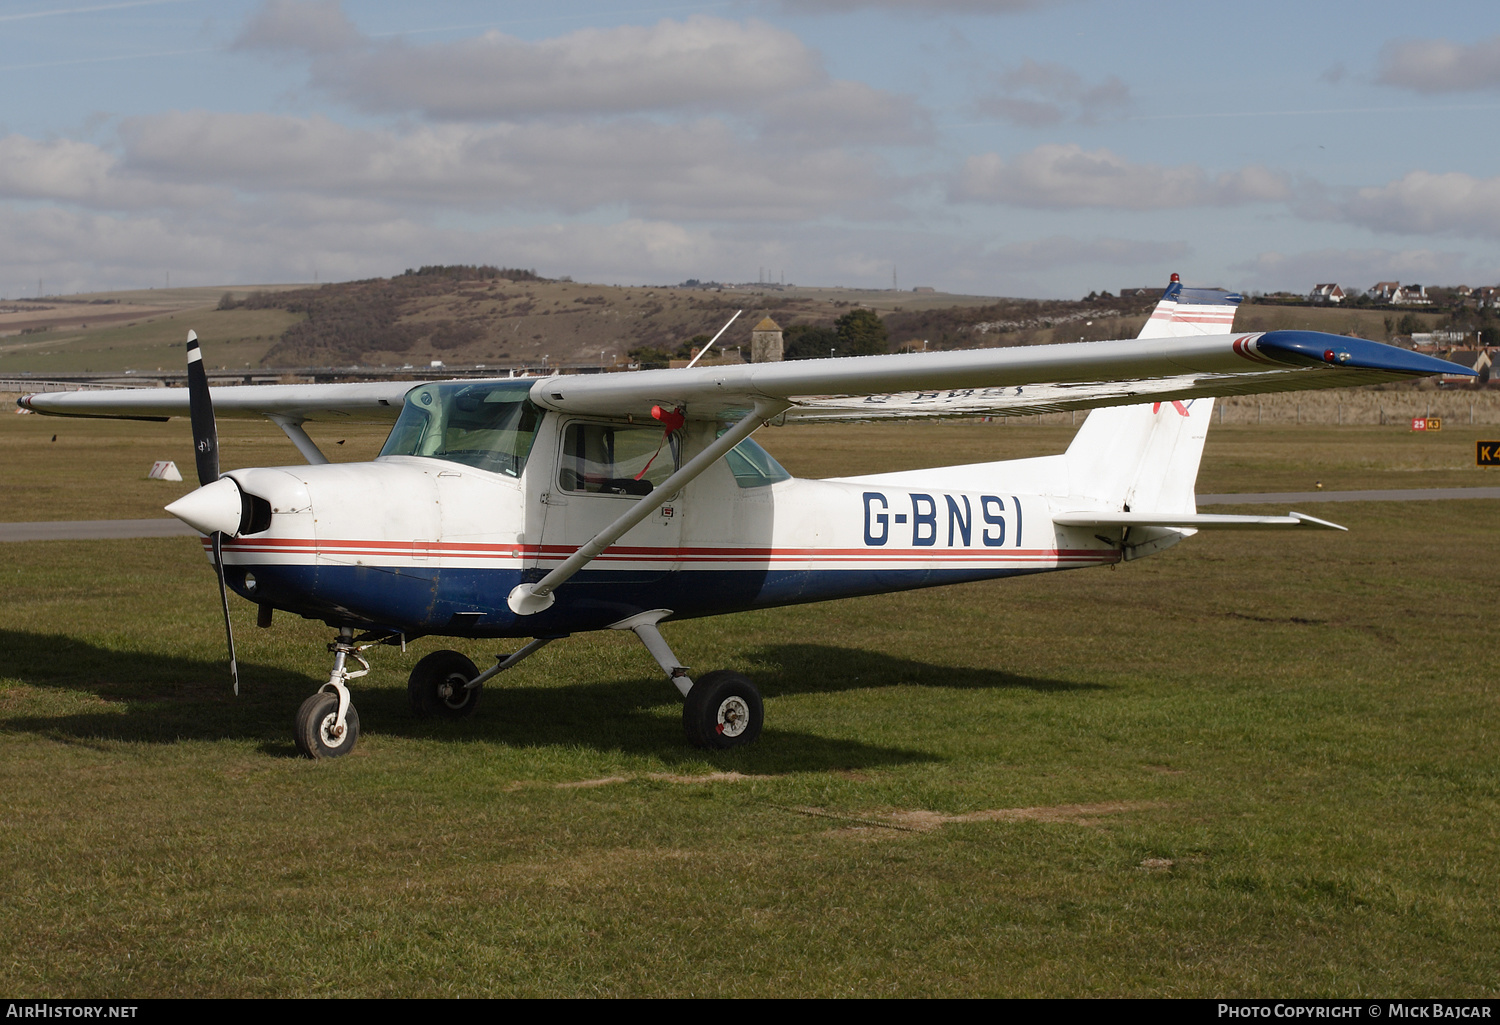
column 436, row 686
column 722, row 710
column 317, row 733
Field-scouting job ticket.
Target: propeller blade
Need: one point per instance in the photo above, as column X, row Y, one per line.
column 206, row 452
column 201, row 408
column 234, row 666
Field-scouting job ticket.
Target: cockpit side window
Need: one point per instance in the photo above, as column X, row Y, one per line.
column 489, row 425
column 615, row 459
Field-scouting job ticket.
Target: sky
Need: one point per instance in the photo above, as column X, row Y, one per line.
column 1043, row 148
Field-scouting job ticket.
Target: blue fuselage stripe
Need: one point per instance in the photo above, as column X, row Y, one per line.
column 471, row 602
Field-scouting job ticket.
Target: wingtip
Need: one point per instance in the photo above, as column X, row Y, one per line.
column 1317, row 348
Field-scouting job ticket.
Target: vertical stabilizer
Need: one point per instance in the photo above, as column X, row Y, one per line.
column 1145, row 457
column 1192, row 311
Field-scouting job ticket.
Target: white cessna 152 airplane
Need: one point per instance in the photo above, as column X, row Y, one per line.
column 538, row 508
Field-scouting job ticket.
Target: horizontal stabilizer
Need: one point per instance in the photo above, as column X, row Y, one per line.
column 1197, row 521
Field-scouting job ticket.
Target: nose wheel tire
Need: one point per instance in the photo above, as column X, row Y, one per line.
column 723, row 710
column 436, row 686
column 317, row 733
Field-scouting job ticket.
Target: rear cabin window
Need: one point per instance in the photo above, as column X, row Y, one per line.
column 753, row 466
column 614, row 459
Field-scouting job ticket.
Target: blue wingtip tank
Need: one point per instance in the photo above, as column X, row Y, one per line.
column 1318, row 348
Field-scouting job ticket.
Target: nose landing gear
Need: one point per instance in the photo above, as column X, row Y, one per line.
column 327, row 724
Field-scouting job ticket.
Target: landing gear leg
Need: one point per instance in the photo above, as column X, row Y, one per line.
column 327, row 724
column 722, row 710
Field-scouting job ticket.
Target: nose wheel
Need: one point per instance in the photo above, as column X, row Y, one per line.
column 319, row 734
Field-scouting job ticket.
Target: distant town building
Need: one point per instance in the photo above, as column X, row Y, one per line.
column 765, row 342
column 1480, row 361
column 1329, row 293
column 1411, row 295
column 1383, row 290
column 1435, row 340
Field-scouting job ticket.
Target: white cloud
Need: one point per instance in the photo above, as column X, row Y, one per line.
column 699, row 170
column 1361, row 268
column 1040, row 95
column 1066, row 176
column 76, row 250
column 843, row 114
column 1439, row 66
column 68, row 171
column 1421, row 202
column 307, row 26
column 922, row 6
column 1066, row 251
column 701, row 64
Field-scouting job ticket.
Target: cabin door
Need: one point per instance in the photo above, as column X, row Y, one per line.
column 603, row 467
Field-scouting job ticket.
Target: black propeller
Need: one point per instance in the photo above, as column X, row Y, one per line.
column 206, row 451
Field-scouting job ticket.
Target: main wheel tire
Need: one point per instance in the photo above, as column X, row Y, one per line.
column 722, row 710
column 317, row 724
column 436, row 686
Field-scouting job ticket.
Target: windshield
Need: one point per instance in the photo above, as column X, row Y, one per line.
column 489, row 425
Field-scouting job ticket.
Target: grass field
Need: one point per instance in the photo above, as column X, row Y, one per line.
column 1253, row 765
column 240, row 340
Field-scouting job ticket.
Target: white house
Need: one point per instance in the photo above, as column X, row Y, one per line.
column 1411, row 295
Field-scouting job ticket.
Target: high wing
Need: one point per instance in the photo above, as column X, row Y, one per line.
column 378, row 402
column 1174, row 359
column 1003, row 382
column 1184, row 351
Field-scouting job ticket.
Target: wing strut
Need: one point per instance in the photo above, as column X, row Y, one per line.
column 292, row 427
column 529, row 599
